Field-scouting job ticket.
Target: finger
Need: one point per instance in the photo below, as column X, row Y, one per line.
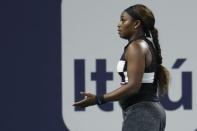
column 85, row 94
column 79, row 103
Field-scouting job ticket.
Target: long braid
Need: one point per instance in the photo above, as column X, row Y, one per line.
column 154, row 33
column 162, row 74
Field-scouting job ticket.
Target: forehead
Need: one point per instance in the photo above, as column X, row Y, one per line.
column 124, row 14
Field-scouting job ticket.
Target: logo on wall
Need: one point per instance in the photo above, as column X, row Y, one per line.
column 186, row 88
column 101, row 76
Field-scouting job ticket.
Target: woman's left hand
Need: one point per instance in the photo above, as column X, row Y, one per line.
column 90, row 99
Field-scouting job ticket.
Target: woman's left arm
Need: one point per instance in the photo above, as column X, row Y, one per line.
column 135, row 57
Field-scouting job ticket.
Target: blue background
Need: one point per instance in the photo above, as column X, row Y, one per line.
column 30, row 65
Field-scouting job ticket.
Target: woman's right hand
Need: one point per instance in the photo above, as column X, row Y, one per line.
column 90, row 99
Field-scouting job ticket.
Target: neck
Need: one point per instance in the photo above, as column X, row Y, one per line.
column 137, row 34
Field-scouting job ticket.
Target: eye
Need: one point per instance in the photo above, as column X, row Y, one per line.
column 122, row 20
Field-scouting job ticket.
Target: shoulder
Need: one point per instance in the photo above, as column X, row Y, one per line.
column 138, row 46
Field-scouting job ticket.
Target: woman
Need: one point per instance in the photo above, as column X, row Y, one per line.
column 143, row 78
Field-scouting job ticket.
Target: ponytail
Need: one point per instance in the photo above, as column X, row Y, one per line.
column 162, row 74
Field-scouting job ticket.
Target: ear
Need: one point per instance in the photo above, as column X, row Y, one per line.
column 137, row 24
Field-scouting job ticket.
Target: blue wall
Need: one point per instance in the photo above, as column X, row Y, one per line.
column 30, row 65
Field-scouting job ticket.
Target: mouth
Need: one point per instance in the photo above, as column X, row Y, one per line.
column 119, row 31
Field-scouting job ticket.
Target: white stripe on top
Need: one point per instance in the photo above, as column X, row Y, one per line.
column 147, row 77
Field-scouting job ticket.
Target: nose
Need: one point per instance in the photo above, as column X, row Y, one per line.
column 119, row 23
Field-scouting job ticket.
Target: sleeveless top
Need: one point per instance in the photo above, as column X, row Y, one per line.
column 148, row 89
